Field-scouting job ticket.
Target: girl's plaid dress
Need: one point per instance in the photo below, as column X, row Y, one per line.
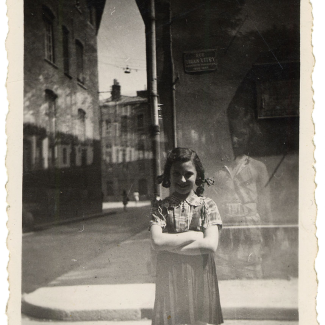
column 186, row 285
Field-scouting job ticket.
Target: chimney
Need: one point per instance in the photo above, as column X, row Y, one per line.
column 142, row 93
column 116, row 91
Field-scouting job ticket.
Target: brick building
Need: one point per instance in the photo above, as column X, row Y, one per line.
column 126, row 145
column 61, row 167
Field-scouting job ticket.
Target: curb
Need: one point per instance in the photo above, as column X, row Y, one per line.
column 270, row 314
column 128, row 303
column 67, row 221
column 46, row 303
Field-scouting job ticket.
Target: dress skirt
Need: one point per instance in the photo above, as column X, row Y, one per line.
column 186, row 290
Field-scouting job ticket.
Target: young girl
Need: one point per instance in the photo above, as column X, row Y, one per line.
column 184, row 231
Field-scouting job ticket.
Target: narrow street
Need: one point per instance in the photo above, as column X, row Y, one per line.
column 50, row 253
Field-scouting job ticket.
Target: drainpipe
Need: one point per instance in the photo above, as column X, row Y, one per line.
column 154, row 100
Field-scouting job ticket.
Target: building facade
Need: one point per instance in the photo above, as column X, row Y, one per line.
column 126, row 145
column 61, row 159
column 223, row 66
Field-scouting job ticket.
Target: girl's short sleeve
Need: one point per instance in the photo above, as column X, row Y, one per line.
column 211, row 214
column 157, row 216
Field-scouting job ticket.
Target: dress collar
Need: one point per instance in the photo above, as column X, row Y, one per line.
column 192, row 199
column 239, row 167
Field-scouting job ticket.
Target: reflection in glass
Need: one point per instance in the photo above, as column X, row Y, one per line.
column 245, row 200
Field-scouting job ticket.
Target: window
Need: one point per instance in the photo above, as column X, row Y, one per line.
column 117, row 154
column 124, row 155
column 49, row 35
column 73, row 156
column 108, row 156
column 64, row 156
column 80, row 61
column 141, row 148
column 117, row 131
column 81, row 124
column 66, row 56
column 84, row 157
column 92, row 15
column 108, row 125
column 50, row 98
column 109, row 188
column 140, row 121
column 124, row 125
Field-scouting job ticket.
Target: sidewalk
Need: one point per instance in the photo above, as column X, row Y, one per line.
column 109, row 208
column 118, row 285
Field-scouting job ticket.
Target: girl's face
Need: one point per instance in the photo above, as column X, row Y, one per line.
column 183, row 176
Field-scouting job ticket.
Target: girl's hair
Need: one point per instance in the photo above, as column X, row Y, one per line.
column 183, row 155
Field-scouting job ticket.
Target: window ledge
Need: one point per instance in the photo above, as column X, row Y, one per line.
column 82, row 85
column 51, row 63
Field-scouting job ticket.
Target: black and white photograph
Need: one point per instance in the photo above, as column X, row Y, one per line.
column 166, row 172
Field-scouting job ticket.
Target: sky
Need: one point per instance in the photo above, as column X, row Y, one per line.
column 121, row 44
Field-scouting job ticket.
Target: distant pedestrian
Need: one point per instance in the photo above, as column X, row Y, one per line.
column 185, row 232
column 136, row 197
column 125, row 199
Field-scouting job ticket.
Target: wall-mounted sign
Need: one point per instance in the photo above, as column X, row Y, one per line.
column 200, row 61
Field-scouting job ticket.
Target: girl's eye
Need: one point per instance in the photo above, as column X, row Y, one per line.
column 188, row 175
